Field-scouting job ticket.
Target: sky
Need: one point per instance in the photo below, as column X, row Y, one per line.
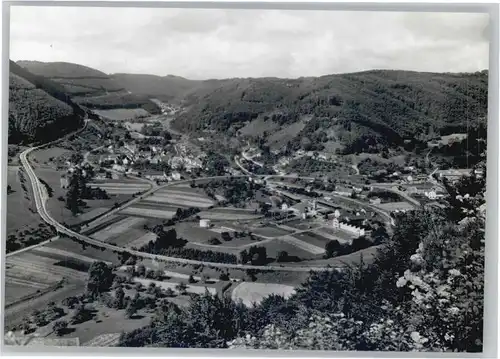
column 216, row 43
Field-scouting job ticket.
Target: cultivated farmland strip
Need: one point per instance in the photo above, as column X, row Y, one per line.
column 118, row 228
column 118, row 184
column 25, row 282
column 139, row 242
column 148, row 213
column 26, row 266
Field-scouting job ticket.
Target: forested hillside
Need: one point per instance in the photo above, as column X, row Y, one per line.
column 90, row 87
column 165, row 88
column 364, row 111
column 39, row 109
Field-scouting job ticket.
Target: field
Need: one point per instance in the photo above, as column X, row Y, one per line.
column 185, row 197
column 118, row 228
column 250, row 293
column 18, row 214
column 45, row 154
column 30, row 272
column 119, row 114
column 85, row 217
column 313, row 239
column 393, row 206
column 148, row 213
column 113, row 188
column 274, row 246
column 304, row 246
column 368, row 255
column 270, row 231
column 228, row 214
column 56, row 207
column 67, row 244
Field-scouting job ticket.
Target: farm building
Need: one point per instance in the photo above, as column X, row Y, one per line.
column 64, row 182
column 204, row 223
column 155, row 175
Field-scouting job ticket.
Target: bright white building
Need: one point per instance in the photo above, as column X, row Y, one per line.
column 204, row 223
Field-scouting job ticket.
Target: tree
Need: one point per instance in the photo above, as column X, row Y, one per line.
column 120, row 297
column 131, row 309
column 60, row 327
column 282, row 256
column 73, row 194
column 100, row 279
column 191, row 279
column 141, row 270
column 181, row 288
column 81, row 314
column 332, row 248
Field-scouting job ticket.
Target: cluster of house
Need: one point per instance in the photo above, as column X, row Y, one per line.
column 455, row 174
column 447, row 140
column 122, row 160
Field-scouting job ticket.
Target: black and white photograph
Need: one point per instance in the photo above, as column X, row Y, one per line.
column 246, row 179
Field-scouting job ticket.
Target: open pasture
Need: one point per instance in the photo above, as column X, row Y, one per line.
column 147, row 213
column 46, row 154
column 62, row 255
column 395, row 206
column 270, row 231
column 18, row 211
column 252, row 292
column 276, row 245
column 122, row 114
column 96, row 212
column 118, row 228
column 304, row 245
